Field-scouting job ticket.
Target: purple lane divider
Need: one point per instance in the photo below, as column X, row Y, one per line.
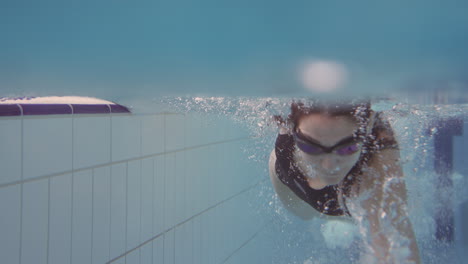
column 10, row 110
column 443, row 166
column 119, row 109
column 46, row 109
column 60, row 109
column 90, row 109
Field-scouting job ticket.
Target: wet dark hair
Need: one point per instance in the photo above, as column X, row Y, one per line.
column 358, row 110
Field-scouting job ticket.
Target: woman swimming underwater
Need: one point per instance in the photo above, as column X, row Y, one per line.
column 342, row 160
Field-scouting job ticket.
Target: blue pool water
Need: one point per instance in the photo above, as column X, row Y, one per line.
column 185, row 180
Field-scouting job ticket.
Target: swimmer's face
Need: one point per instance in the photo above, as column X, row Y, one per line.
column 328, row 131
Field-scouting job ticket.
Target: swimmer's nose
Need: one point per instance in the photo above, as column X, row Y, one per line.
column 329, row 163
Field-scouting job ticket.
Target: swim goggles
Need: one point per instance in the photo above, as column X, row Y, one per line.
column 347, row 146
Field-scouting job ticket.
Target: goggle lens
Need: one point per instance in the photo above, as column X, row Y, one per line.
column 348, row 150
column 316, row 149
column 309, row 149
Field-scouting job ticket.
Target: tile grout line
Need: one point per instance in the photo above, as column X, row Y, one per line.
column 73, row 141
column 48, row 221
column 184, row 172
column 187, row 197
column 141, row 186
column 164, row 188
column 110, row 182
column 110, row 211
column 246, row 242
column 152, row 212
column 92, row 215
column 184, row 175
column 174, row 213
column 72, row 192
column 21, row 188
column 126, row 210
column 141, row 206
column 163, row 247
column 71, row 218
column 110, row 139
column 115, row 162
column 165, row 232
column 173, row 237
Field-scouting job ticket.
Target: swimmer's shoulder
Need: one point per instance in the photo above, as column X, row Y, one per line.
column 288, row 198
column 384, row 160
column 383, row 132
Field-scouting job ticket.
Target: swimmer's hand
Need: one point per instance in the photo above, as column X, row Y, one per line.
column 282, row 124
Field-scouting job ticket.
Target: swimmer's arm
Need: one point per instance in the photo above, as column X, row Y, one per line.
column 387, row 206
column 290, row 200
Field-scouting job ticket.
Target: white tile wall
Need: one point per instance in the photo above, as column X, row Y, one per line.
column 60, row 219
column 217, row 130
column 184, row 243
column 133, row 257
column 211, row 222
column 216, row 172
column 147, row 200
column 197, row 245
column 101, row 214
column 35, row 222
column 158, row 250
column 175, row 132
column 82, row 217
column 222, row 232
column 211, row 175
column 180, row 188
column 190, row 183
column 216, row 234
column 205, row 238
column 205, row 175
column 170, row 192
column 10, row 223
column 10, row 150
column 169, row 247
column 193, row 132
column 91, row 146
column 206, row 130
column 47, row 146
column 126, row 180
column 159, row 193
column 180, row 245
column 126, row 137
column 189, row 244
column 152, row 134
column 133, row 204
column 230, row 221
column 146, row 253
column 118, row 220
column 119, row 260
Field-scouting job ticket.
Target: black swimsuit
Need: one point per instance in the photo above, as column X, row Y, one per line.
column 326, row 200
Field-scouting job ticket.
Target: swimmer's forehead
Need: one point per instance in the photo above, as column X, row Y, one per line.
column 333, row 107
